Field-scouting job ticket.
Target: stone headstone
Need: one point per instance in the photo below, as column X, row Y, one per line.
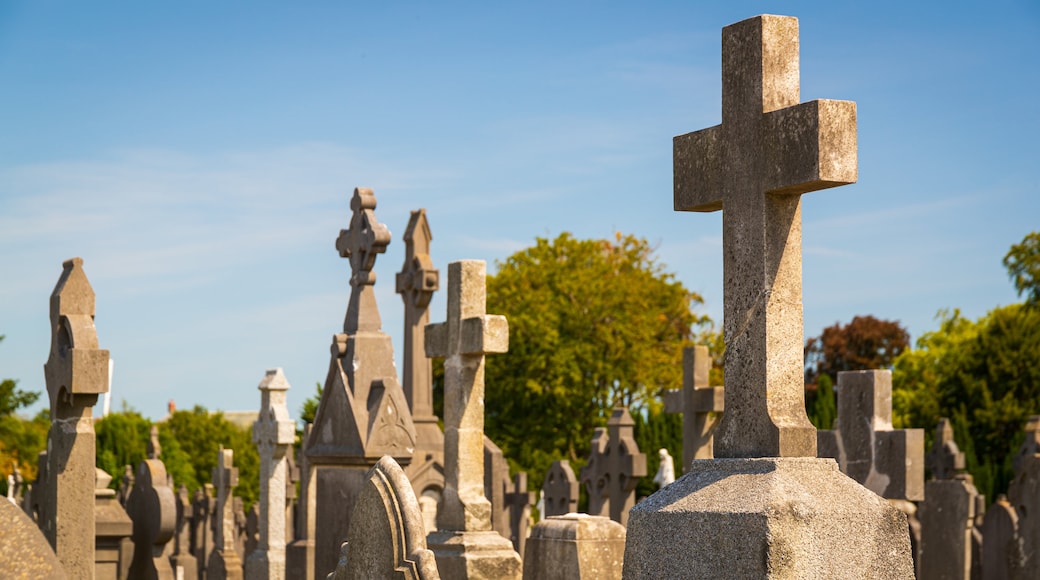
column 614, row 468
column 465, row 544
column 700, row 404
column 1024, row 495
column 665, row 468
column 575, row 546
column 126, row 485
column 292, row 472
column 273, row 433
column 184, row 564
column 948, row 512
column 560, row 490
column 769, row 508
column 416, row 283
column 496, row 484
column 113, row 532
column 24, row 552
column 202, row 510
column 299, row 554
column 889, row 462
column 224, row 563
column 362, row 414
column 386, row 538
column 153, row 509
column 76, row 373
column 1002, row 553
column 519, row 502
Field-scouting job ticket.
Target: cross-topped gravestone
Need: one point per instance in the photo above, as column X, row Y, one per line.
column 889, row 462
column 700, row 404
column 945, row 460
column 768, row 151
column 464, row 523
column 948, row 513
column 202, row 509
column 560, row 489
column 273, row 432
column 224, row 563
column 361, row 243
column 1024, row 494
column 76, row 373
column 519, row 502
column 184, row 563
column 153, row 508
column 614, row 468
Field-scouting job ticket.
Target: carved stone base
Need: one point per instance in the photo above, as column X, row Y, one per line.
column 474, row 555
column 766, row 518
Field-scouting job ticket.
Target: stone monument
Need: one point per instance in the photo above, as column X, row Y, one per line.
column 519, row 502
column 184, row 563
column 113, row 532
column 224, row 563
column 665, row 468
column 768, row 508
column 153, row 509
column 575, row 546
column 76, row 373
column 25, row 552
column 465, row 545
column 363, row 413
column 614, row 468
column 273, row 433
column 948, row 512
column 700, row 404
column 1024, row 494
column 560, row 490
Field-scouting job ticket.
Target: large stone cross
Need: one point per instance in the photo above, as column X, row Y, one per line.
column 560, row 490
column 463, row 339
column 361, row 243
column 416, row 283
column 768, row 151
column 614, row 468
column 224, row 563
column 699, row 403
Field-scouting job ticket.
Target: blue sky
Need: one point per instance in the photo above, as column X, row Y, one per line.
column 201, row 158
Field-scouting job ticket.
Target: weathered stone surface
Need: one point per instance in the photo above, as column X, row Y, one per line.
column 768, row 151
column 113, row 532
column 153, row 509
column 24, row 552
column 888, row 462
column 614, row 468
column 386, row 539
column 1002, row 553
column 273, row 433
column 575, row 546
column 519, row 501
column 1024, row 495
column 560, row 490
column 224, row 563
column 465, row 545
column 701, row 405
column 203, row 512
column 948, row 512
column 299, row 554
column 766, row 518
column 76, row 373
column 363, row 413
column 184, row 563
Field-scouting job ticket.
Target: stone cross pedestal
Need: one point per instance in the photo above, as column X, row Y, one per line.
column 614, row 468
column 560, row 490
column 363, row 413
column 887, row 461
column 224, row 563
column 273, row 433
column 76, row 373
column 465, row 545
column 700, row 404
column 948, row 512
column 769, row 508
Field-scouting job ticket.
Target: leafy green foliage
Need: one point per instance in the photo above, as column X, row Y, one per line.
column 1023, row 265
column 21, row 441
column 658, row 430
column 592, row 323
column 201, row 434
column 822, row 405
column 310, row 407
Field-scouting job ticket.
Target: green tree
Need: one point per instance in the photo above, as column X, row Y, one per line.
column 12, row 399
column 122, row 439
column 1023, row 265
column 822, row 405
column 21, row 440
column 200, row 434
column 310, row 407
column 592, row 324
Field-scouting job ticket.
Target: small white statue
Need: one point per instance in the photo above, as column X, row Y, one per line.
column 666, row 470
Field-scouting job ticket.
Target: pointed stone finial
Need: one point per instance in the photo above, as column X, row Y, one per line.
column 361, row 243
column 945, row 459
column 154, row 449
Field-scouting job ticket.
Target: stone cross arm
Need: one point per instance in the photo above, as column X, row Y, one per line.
column 807, row 147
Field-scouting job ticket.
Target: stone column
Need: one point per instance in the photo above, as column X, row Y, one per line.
column 76, row 373
column 224, row 563
column 465, row 545
column 273, row 433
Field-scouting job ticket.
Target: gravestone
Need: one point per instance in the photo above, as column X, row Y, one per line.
column 465, row 544
column 1024, row 495
column 24, row 552
column 202, row 509
column 700, row 404
column 126, row 485
column 153, row 509
column 184, row 564
column 76, row 373
column 362, row 414
column 416, row 283
column 224, row 563
column 252, row 532
column 273, row 433
column 292, row 478
column 386, row 538
column 948, row 512
column 768, row 508
column 886, row 461
column 496, row 484
column 560, row 490
column 299, row 554
column 1002, row 553
column 575, row 546
column 519, row 502
column 113, row 532
column 614, row 468
column 665, row 468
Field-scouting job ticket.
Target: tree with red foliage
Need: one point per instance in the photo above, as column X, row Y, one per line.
column 863, row 344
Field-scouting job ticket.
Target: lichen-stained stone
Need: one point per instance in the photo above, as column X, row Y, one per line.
column 24, row 552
